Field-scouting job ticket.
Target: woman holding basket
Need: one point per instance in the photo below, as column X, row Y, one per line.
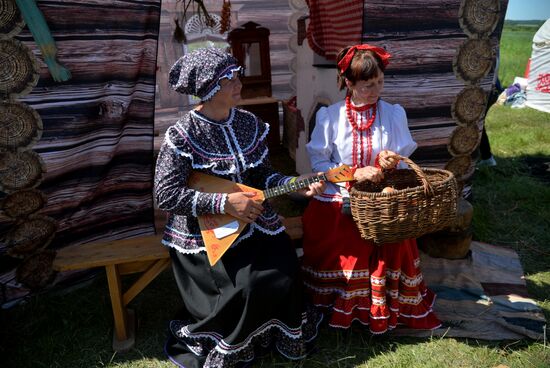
column 348, row 277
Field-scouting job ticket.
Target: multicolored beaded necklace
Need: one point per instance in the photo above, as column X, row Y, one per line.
column 361, row 119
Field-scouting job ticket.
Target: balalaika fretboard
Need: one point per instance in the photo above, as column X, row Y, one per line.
column 292, row 187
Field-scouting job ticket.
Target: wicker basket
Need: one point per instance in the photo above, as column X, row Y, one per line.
column 424, row 201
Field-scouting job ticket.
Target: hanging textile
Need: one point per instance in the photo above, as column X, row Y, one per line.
column 334, row 24
column 97, row 139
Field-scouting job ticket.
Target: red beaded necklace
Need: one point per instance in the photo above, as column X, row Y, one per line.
column 366, row 115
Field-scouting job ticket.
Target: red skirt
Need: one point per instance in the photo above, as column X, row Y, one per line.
column 355, row 280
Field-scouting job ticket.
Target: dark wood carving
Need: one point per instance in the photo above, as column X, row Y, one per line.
column 249, row 42
column 11, row 22
column 469, row 106
column 473, row 60
column 18, row 69
column 20, row 126
column 479, row 18
column 36, row 272
column 20, row 170
column 464, row 140
column 23, row 203
column 29, row 235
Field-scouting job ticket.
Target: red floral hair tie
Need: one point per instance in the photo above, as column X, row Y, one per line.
column 343, row 64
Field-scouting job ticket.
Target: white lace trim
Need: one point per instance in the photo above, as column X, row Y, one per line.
column 346, row 327
column 255, row 140
column 183, row 250
column 417, row 316
column 180, row 130
column 260, row 160
column 328, row 197
column 233, row 169
column 224, row 348
column 349, row 274
column 226, row 122
column 413, row 300
column 222, row 204
column 343, row 293
column 240, row 154
column 212, row 92
column 269, row 232
column 411, row 281
column 266, row 184
column 210, row 166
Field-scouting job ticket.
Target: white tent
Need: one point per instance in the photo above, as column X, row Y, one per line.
column 538, row 84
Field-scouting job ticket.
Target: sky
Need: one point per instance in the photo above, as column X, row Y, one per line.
column 528, row 10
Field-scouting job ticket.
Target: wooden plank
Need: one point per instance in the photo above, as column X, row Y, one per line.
column 133, row 252
column 257, row 100
column 387, row 15
column 119, row 310
column 143, row 248
column 144, row 280
column 134, row 267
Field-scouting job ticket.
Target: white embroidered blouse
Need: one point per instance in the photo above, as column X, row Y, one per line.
column 331, row 142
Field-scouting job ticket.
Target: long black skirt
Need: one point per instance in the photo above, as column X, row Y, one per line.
column 247, row 303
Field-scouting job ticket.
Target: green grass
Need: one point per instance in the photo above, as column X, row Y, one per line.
column 515, row 51
column 74, row 329
column 510, row 206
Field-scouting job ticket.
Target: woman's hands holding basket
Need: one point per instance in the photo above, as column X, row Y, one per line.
column 386, row 159
column 371, row 173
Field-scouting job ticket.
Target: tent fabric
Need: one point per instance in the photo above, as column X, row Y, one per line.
column 97, row 143
column 538, row 84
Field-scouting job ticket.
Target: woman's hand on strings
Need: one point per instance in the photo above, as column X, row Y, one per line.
column 242, row 206
column 371, row 173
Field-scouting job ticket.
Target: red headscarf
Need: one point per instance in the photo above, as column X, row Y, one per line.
column 343, row 64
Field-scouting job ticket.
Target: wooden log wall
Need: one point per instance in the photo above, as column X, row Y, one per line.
column 424, row 38
column 25, row 235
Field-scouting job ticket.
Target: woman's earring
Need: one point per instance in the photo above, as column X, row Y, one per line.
column 349, row 85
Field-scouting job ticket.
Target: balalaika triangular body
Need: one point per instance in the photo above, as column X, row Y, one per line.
column 220, row 231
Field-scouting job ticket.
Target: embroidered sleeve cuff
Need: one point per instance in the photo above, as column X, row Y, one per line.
column 222, row 203
column 213, row 203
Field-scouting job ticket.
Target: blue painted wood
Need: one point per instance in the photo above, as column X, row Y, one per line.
column 43, row 38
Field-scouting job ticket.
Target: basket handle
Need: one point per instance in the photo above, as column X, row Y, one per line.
column 428, row 189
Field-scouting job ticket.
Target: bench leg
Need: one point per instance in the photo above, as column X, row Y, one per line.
column 124, row 336
column 144, row 280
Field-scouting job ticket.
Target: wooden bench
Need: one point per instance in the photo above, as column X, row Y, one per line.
column 145, row 255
